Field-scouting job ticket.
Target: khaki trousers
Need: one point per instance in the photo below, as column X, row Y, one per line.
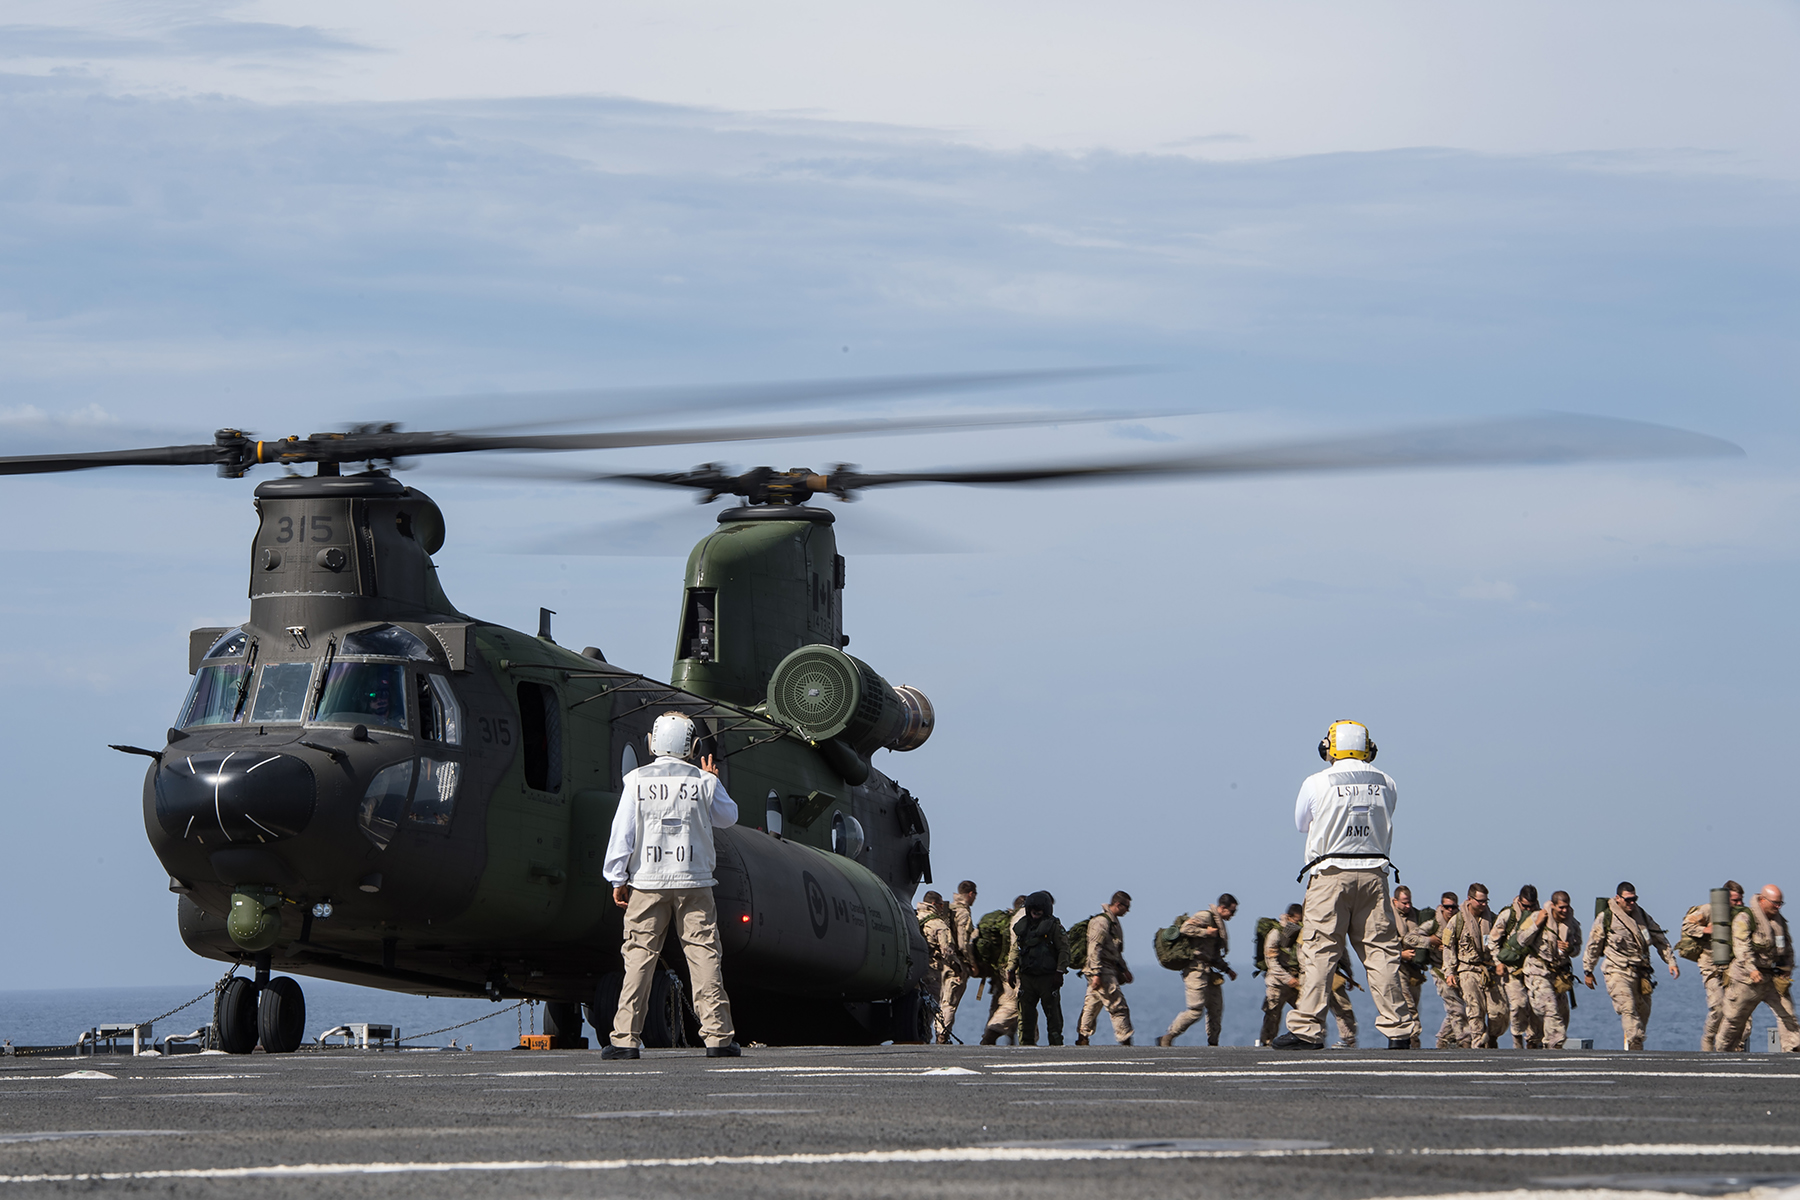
column 1551, row 1009
column 1351, row 905
column 1003, row 1011
column 1741, row 1000
column 1714, row 979
column 1205, row 1001
column 1104, row 993
column 1450, row 1033
column 1413, row 986
column 1344, row 1012
column 1046, row 990
column 1527, row 1024
column 1631, row 1003
column 1276, row 997
column 949, row 994
column 649, row 915
column 1484, row 1008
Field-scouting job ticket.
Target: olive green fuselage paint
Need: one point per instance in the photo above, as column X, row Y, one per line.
column 441, row 789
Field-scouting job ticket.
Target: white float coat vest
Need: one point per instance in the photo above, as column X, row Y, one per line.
column 674, row 844
column 1347, row 812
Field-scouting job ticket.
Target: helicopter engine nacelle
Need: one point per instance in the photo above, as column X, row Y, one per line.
column 827, row 694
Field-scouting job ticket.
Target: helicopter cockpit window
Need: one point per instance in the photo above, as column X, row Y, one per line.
column 387, row 641
column 216, row 695
column 281, row 693
column 846, row 835
column 383, row 803
column 434, row 798
column 440, row 715
column 230, row 646
column 364, row 693
column 430, row 786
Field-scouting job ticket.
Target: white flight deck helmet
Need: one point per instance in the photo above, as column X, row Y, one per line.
column 1347, row 739
column 672, row 735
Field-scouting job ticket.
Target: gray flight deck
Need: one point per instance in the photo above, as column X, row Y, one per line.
column 899, row 1121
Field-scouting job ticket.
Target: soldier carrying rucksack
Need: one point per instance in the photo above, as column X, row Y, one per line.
column 1097, row 950
column 993, row 948
column 1696, row 945
column 1040, row 959
column 1203, row 976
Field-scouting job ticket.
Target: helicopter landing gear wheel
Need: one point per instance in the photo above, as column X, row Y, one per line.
column 663, row 1025
column 235, row 1016
column 914, row 1015
column 281, row 1016
column 605, row 1006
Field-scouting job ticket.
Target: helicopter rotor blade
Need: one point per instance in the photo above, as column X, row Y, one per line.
column 1539, row 440
column 405, row 445
column 155, row 456
column 235, row 452
column 591, row 405
column 671, row 532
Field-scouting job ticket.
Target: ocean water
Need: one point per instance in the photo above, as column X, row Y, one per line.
column 56, row 1016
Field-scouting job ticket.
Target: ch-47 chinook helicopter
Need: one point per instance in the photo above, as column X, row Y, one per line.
column 364, row 783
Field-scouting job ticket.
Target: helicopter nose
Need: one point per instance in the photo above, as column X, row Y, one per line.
column 234, row 795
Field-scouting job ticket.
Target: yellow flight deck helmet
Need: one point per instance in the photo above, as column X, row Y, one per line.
column 1347, row 739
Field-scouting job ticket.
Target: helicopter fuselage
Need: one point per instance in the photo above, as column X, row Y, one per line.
column 365, row 784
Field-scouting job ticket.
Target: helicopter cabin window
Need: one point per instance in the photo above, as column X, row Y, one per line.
column 540, row 729
column 440, row 716
column 699, row 626
column 281, row 693
column 216, row 696
column 628, row 761
column 387, row 641
column 846, row 835
column 363, row 693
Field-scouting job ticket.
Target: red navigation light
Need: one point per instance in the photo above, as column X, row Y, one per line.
column 745, row 918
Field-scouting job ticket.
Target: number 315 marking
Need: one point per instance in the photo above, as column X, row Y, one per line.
column 285, row 530
column 498, row 729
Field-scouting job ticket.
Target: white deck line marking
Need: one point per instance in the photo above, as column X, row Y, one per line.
column 954, row 1154
column 961, row 1154
column 1350, row 1077
column 689, row 1112
column 1627, row 1150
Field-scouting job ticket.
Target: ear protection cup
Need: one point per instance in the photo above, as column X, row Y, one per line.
column 1325, row 747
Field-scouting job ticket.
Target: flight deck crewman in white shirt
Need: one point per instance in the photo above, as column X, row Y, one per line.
column 1346, row 812
column 660, row 860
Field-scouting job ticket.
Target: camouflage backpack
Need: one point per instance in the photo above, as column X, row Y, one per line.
column 991, row 941
column 1174, row 949
column 1078, row 943
column 1511, row 954
column 1290, row 943
column 1263, row 926
column 1693, row 947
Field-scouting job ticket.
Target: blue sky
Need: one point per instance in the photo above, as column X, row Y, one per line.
column 286, row 217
